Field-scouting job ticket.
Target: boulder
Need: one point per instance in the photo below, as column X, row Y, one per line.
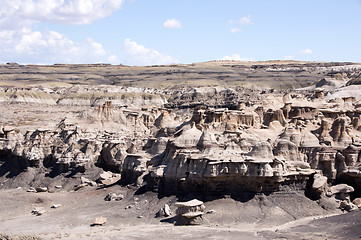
column 99, row 221
column 319, row 183
column 38, row 211
column 357, row 202
column 79, row 186
column 108, row 178
column 113, row 197
column 164, row 211
column 31, row 189
column 340, row 188
column 41, row 189
column 167, row 210
column 87, row 181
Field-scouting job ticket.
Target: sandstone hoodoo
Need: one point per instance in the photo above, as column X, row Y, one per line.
column 197, row 141
column 257, row 146
column 190, row 213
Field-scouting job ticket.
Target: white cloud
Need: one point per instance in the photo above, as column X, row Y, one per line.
column 20, row 43
column 235, row 30
column 137, row 54
column 172, row 23
column 242, row 21
column 15, row 14
column 48, row 47
column 297, row 55
column 290, row 57
column 236, row 57
column 306, row 51
column 113, row 59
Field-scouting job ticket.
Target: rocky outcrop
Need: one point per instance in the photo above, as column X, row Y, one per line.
column 201, row 140
column 212, row 151
column 339, row 131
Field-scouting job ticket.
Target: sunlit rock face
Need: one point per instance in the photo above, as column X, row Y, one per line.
column 210, row 140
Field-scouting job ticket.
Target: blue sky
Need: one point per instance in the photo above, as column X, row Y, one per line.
column 144, row 32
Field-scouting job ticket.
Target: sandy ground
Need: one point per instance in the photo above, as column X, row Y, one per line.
column 263, row 217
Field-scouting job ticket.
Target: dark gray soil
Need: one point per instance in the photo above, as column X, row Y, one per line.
column 276, row 216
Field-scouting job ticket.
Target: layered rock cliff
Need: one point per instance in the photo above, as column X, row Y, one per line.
column 209, row 140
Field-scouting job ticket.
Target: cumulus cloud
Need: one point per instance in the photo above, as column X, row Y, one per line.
column 172, row 23
column 137, row 54
column 20, row 43
column 16, row 14
column 306, row 51
column 236, row 57
column 235, row 30
column 113, row 59
column 297, row 55
column 242, row 21
column 48, row 47
column 289, row 57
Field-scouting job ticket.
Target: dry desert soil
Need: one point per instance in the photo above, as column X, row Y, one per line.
column 277, row 216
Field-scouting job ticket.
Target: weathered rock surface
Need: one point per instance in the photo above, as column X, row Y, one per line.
column 163, row 212
column 113, row 197
column 206, row 140
column 190, row 212
column 38, row 211
column 99, row 221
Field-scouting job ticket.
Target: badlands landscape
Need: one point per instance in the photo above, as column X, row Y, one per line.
column 213, row 150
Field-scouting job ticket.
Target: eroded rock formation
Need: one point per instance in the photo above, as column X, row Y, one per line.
column 205, row 140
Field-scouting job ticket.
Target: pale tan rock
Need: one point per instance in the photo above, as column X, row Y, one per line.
column 357, row 202
column 41, row 189
column 99, row 221
column 167, row 211
column 324, row 132
column 340, row 188
column 339, row 131
column 31, row 189
column 164, row 211
column 319, row 183
column 190, row 213
column 113, row 197
column 188, row 138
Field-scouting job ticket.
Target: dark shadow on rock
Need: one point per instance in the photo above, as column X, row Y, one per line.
column 243, row 196
column 351, row 181
column 142, row 190
column 187, row 196
column 310, row 192
column 109, row 185
column 11, row 165
column 49, row 161
column 169, row 220
column 55, row 171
